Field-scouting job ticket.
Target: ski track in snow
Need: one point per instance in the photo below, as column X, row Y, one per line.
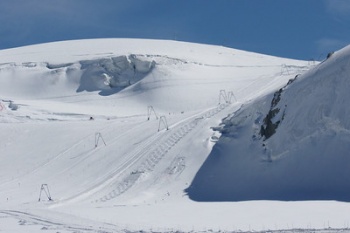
column 141, row 159
column 153, row 151
column 41, row 224
column 71, row 151
column 46, row 224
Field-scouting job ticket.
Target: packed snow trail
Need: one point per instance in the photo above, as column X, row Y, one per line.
column 37, row 223
column 143, row 157
column 156, row 150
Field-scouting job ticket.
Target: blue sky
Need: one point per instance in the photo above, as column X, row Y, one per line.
column 302, row 29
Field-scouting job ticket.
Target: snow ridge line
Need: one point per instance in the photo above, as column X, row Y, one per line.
column 156, row 152
column 186, row 62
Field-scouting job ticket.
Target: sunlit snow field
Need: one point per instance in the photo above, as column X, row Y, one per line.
column 115, row 132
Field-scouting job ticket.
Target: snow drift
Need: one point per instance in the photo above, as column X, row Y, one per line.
column 291, row 145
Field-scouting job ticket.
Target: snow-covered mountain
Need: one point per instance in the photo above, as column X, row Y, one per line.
column 118, row 134
column 291, row 145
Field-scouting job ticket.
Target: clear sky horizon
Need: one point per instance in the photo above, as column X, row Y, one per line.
column 300, row 29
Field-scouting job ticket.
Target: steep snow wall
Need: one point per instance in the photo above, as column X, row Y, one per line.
column 305, row 155
column 107, row 75
column 114, row 72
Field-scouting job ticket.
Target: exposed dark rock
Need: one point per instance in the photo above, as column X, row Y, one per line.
column 269, row 123
column 329, row 54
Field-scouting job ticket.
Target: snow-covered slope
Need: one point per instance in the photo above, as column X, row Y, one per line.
column 292, row 145
column 89, row 119
column 75, row 71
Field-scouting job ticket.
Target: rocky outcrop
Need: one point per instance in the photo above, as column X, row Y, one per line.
column 275, row 115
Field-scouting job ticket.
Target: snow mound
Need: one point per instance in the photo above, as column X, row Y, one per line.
column 292, row 145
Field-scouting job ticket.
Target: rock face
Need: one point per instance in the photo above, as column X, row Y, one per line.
column 272, row 120
column 269, row 127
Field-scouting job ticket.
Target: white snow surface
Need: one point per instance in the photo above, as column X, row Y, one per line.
column 308, row 156
column 74, row 120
